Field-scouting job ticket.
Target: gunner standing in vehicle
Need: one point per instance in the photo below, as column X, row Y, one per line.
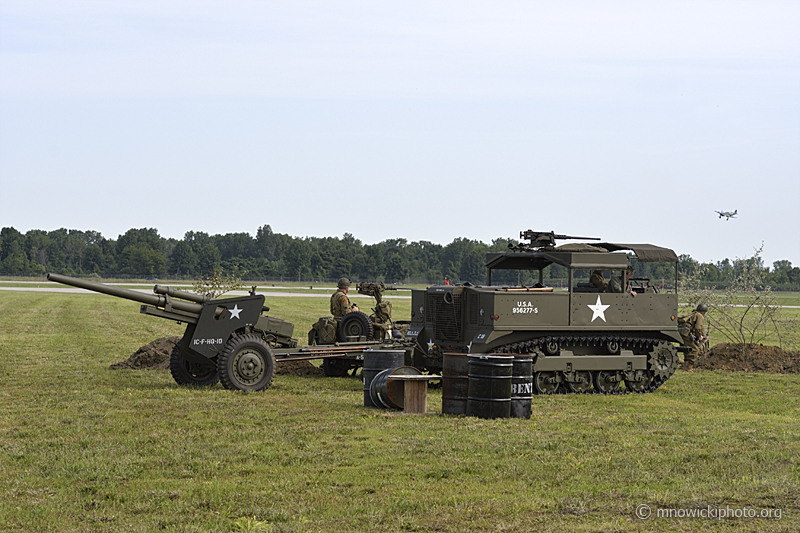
column 340, row 303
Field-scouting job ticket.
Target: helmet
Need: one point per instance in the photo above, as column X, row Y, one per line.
column 396, row 334
column 343, row 283
column 703, row 308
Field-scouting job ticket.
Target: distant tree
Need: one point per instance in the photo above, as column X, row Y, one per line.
column 183, row 260
column 298, row 259
column 13, row 259
column 141, row 260
column 208, row 259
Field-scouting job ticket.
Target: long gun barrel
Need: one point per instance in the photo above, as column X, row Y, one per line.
column 185, row 295
column 543, row 239
column 150, row 299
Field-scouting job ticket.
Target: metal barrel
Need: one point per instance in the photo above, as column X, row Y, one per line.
column 455, row 383
column 521, row 386
column 376, row 361
column 489, row 393
column 389, row 394
column 185, row 295
column 150, row 299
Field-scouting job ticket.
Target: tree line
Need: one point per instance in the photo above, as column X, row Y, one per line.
column 142, row 253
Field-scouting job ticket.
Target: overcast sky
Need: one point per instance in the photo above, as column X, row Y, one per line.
column 630, row 121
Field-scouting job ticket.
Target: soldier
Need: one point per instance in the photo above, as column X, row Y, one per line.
column 598, row 280
column 340, row 303
column 618, row 285
column 691, row 329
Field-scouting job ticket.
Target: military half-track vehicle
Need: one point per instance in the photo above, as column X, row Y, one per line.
column 232, row 340
column 584, row 339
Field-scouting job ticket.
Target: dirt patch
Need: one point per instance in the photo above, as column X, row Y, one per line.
column 155, row 356
column 297, row 368
column 757, row 358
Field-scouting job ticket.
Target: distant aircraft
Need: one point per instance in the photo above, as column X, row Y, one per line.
column 727, row 214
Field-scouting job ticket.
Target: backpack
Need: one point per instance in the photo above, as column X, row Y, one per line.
column 684, row 326
column 323, row 331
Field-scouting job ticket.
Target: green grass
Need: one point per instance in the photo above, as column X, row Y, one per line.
column 85, row 448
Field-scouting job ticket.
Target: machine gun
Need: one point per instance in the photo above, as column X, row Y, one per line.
column 543, row 239
column 383, row 310
column 375, row 290
column 227, row 340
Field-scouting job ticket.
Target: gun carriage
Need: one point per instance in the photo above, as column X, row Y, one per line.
column 232, row 340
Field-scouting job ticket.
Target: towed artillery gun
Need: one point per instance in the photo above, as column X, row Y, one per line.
column 586, row 339
column 230, row 340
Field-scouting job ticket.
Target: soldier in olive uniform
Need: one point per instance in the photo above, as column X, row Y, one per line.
column 598, row 280
column 617, row 283
column 340, row 303
column 691, row 329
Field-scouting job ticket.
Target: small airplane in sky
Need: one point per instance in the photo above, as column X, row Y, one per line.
column 727, row 214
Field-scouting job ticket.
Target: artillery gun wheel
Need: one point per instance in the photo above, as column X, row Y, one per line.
column 605, row 382
column 335, row 368
column 355, row 324
column 191, row 374
column 246, row 363
column 583, row 383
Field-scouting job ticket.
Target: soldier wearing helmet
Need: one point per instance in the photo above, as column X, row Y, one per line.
column 693, row 334
column 618, row 283
column 598, row 280
column 340, row 303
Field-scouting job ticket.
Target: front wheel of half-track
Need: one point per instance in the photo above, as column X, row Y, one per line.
column 190, row 374
column 246, row 363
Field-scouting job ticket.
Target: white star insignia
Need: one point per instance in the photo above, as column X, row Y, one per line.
column 235, row 312
column 430, row 345
column 598, row 309
column 469, row 346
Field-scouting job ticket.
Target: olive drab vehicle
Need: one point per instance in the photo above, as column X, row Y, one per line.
column 231, row 340
column 583, row 339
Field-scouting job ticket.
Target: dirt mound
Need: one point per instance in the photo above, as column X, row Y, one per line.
column 297, row 368
column 154, row 355
column 757, row 358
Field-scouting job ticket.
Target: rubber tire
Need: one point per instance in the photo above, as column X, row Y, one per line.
column 355, row 324
column 191, row 374
column 256, row 353
column 335, row 367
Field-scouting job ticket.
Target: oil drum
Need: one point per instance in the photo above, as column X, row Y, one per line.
column 522, row 386
column 455, row 383
column 390, row 394
column 376, row 361
column 489, row 394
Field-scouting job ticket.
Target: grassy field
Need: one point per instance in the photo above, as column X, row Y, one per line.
column 85, row 448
